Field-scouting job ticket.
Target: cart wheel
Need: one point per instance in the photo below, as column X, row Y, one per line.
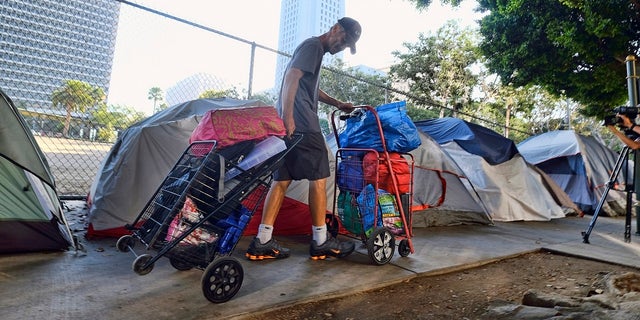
column 126, row 243
column 139, row 264
column 403, row 248
column 381, row 245
column 332, row 224
column 180, row 265
column 222, row 279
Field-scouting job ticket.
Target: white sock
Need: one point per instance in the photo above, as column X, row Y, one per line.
column 319, row 234
column 264, row 233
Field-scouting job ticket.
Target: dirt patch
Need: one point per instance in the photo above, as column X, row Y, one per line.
column 462, row 295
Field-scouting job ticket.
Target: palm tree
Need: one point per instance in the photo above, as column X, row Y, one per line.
column 155, row 94
column 76, row 96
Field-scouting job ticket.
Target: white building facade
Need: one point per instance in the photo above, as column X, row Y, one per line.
column 301, row 19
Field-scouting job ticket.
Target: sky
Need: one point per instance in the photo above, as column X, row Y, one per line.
column 154, row 51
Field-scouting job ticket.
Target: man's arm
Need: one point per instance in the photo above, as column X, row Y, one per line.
column 288, row 97
column 630, row 125
column 344, row 106
column 630, row 143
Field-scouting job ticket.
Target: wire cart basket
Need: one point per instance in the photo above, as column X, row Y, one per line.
column 197, row 215
column 373, row 195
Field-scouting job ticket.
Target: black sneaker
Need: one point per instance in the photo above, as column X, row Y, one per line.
column 332, row 247
column 269, row 250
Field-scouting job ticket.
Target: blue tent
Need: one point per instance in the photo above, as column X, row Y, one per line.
column 580, row 165
column 473, row 138
column 511, row 188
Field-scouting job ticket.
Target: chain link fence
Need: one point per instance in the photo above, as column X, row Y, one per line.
column 61, row 60
column 81, row 72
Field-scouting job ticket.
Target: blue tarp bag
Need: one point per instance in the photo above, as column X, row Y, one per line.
column 366, row 206
column 388, row 214
column 400, row 133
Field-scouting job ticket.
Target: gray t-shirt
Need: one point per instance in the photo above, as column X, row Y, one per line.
column 308, row 58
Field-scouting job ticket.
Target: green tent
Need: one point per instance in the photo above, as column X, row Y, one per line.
column 31, row 217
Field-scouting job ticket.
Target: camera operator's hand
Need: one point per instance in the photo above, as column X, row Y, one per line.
column 630, row 126
column 626, row 122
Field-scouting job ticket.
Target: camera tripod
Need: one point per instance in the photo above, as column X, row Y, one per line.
column 620, row 163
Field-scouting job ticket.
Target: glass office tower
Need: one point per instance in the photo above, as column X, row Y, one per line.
column 43, row 43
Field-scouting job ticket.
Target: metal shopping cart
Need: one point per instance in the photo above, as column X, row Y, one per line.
column 197, row 215
column 373, row 195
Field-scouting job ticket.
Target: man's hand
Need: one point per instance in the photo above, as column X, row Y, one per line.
column 346, row 107
column 290, row 126
column 626, row 122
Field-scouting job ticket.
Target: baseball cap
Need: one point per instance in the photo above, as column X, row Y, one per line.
column 352, row 29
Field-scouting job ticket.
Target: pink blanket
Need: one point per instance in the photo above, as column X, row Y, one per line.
column 229, row 126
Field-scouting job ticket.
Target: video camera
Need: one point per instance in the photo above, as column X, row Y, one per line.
column 630, row 112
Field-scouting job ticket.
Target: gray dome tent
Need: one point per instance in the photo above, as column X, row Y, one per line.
column 580, row 165
column 140, row 160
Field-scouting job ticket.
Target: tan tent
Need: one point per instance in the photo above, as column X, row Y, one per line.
column 509, row 187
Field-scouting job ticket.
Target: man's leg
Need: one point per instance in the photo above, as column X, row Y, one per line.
column 273, row 201
column 263, row 246
column 323, row 244
column 318, row 201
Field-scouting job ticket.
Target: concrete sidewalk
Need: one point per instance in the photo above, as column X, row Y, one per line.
column 100, row 284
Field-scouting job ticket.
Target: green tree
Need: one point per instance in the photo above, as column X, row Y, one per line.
column 155, row 94
column 119, row 117
column 421, row 113
column 578, row 46
column 423, row 4
column 163, row 106
column 214, row 93
column 512, row 106
column 573, row 46
column 550, row 113
column 350, row 84
column 266, row 97
column 76, row 96
column 115, row 117
column 438, row 69
column 106, row 133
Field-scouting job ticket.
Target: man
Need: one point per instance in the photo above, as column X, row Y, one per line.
column 298, row 106
column 631, row 127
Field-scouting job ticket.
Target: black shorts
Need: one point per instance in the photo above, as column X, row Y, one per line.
column 309, row 160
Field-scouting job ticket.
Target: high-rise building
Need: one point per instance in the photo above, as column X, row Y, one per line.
column 43, row 43
column 300, row 20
